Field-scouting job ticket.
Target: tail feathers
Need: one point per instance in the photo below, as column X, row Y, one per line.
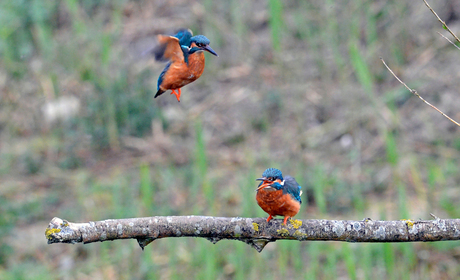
column 159, row 92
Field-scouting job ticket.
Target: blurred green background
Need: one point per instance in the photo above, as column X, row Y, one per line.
column 297, row 85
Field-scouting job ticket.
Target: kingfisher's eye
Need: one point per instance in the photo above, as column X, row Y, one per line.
column 200, row 45
column 270, row 179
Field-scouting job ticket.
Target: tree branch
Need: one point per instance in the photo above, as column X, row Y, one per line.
column 413, row 91
column 253, row 231
column 444, row 25
column 448, row 40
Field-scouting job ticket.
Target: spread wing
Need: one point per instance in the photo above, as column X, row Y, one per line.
column 292, row 187
column 169, row 49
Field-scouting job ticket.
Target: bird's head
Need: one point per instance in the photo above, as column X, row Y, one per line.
column 201, row 43
column 271, row 177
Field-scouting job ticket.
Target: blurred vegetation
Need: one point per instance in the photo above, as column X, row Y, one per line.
column 297, row 85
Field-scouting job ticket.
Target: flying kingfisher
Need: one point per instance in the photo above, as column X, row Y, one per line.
column 186, row 60
column 278, row 196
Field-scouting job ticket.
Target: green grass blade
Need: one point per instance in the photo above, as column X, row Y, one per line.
column 146, row 187
column 349, row 258
column 276, row 23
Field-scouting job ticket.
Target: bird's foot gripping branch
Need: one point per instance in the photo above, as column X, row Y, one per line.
column 256, row 232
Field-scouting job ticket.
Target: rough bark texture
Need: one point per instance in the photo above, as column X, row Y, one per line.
column 253, row 231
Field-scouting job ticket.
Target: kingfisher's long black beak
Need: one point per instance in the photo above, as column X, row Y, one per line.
column 261, row 186
column 208, row 49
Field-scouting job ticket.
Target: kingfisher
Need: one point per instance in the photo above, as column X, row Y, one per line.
column 185, row 53
column 278, row 196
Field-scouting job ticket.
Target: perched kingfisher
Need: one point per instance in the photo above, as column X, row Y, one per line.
column 186, row 60
column 278, row 196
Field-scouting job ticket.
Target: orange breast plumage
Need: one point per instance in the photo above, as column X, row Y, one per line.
column 181, row 74
column 275, row 203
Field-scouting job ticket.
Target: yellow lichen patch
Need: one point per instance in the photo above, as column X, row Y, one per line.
column 64, row 224
column 295, row 223
column 255, row 226
column 299, row 235
column 283, row 232
column 409, row 223
column 50, row 231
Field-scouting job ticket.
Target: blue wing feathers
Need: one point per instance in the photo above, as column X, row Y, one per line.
column 160, row 79
column 292, row 187
column 184, row 36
